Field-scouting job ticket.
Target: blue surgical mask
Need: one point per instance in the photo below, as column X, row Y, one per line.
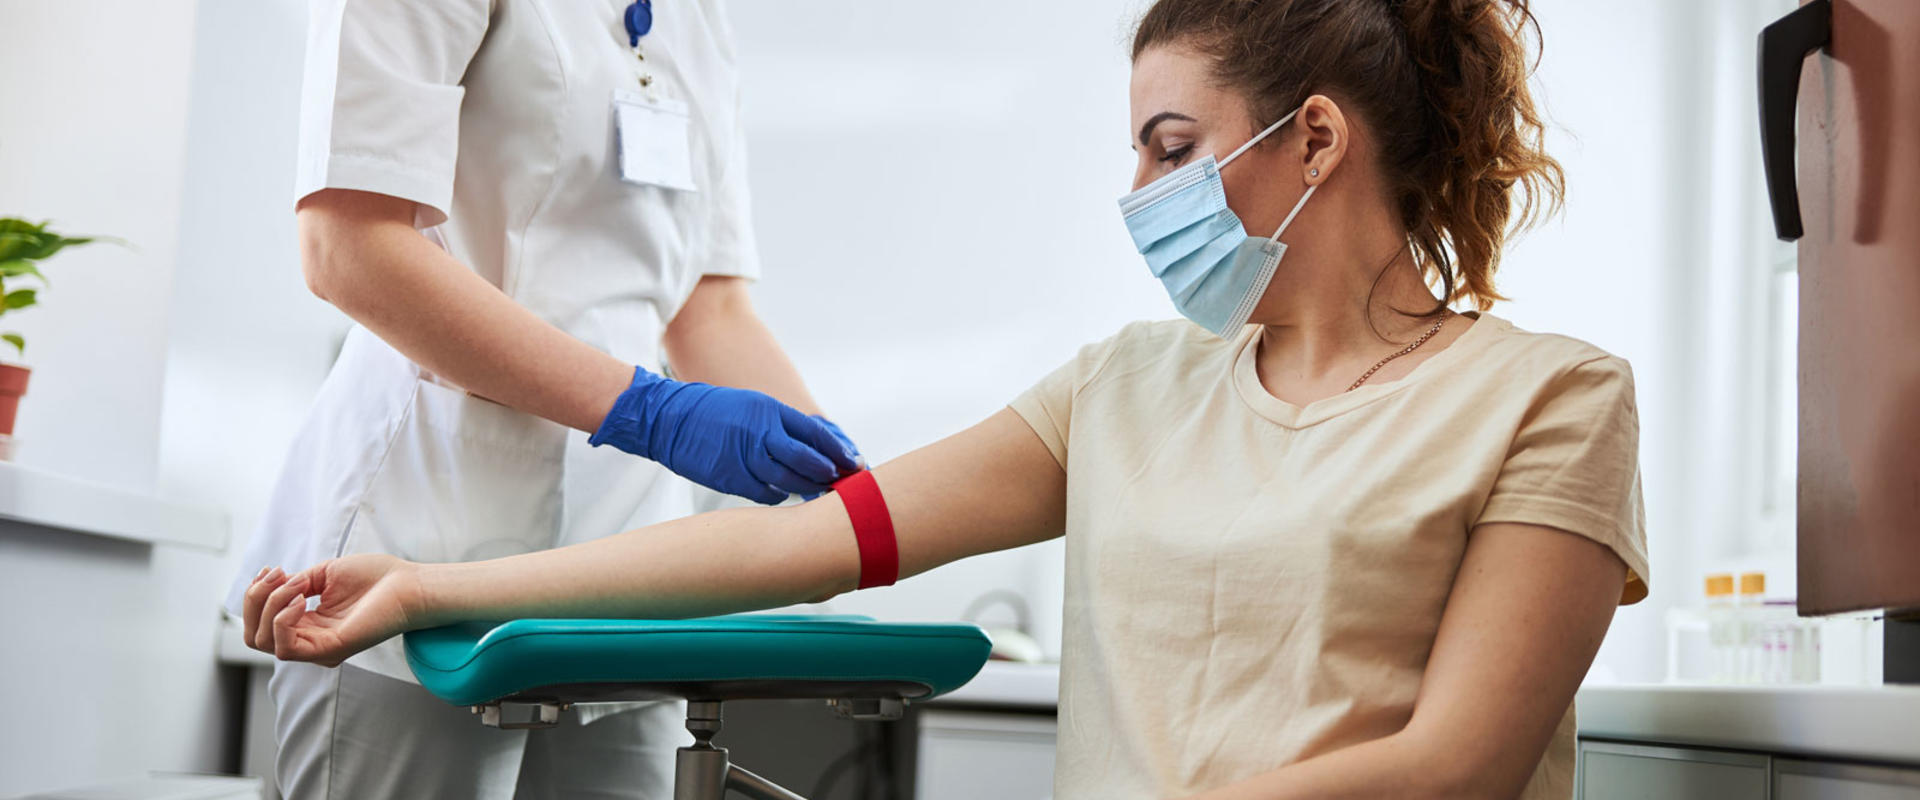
column 1198, row 248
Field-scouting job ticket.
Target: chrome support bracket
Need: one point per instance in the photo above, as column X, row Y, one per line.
column 869, row 709
column 544, row 715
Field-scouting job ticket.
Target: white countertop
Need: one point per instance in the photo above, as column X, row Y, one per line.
column 50, row 500
column 1875, row 723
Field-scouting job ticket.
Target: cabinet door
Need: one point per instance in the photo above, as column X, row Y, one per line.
column 967, row 755
column 1613, row 771
column 1816, row 780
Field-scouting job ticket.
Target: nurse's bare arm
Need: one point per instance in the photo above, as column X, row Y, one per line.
column 991, row 487
column 360, row 252
column 718, row 338
column 1526, row 615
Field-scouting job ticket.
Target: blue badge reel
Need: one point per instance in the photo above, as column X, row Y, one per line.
column 639, row 19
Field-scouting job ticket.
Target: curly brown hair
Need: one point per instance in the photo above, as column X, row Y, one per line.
column 1440, row 84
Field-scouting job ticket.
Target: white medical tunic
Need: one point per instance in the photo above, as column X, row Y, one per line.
column 497, row 118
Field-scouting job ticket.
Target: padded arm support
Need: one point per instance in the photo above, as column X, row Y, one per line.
column 872, row 529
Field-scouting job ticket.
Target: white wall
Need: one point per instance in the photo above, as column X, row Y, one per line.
column 1662, row 257
column 249, row 345
column 1604, row 270
column 92, row 138
column 107, row 666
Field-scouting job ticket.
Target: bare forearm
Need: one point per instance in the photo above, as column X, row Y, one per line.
column 719, row 338
column 1394, row 766
column 720, row 563
column 362, row 255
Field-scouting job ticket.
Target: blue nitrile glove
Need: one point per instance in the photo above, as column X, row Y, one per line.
column 859, row 460
column 845, row 442
column 737, row 441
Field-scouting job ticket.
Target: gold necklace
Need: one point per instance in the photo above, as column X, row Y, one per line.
column 1403, row 351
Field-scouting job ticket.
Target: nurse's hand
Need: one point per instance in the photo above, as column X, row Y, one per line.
column 737, row 441
column 860, row 461
column 364, row 600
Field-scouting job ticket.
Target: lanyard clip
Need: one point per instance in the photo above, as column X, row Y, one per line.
column 639, row 19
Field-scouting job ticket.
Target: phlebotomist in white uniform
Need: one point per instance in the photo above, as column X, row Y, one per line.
column 530, row 208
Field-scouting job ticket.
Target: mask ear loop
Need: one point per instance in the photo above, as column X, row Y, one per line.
column 1294, row 213
column 1256, row 138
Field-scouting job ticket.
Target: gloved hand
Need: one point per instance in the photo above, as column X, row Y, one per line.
column 848, row 443
column 859, row 460
column 737, row 441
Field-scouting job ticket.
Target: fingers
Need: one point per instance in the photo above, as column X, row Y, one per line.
column 316, row 577
column 286, row 642
column 770, row 471
column 276, row 602
column 264, row 583
column 801, row 461
column 812, row 433
column 761, row 493
column 845, row 441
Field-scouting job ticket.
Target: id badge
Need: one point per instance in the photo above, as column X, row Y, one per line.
column 653, row 145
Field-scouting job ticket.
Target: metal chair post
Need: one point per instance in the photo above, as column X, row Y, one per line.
column 702, row 771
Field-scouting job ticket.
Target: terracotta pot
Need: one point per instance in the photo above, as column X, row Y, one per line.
column 13, row 384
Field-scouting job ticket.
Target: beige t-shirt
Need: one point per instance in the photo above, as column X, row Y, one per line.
column 1250, row 583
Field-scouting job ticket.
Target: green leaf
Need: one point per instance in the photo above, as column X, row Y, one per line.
column 14, row 339
column 50, row 244
column 20, row 239
column 12, row 244
column 18, row 298
column 21, row 266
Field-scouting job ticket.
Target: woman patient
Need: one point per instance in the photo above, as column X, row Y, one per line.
column 1325, row 537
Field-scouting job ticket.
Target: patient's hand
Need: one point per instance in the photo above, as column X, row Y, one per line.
column 364, row 600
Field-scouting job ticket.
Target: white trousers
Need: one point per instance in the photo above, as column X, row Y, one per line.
column 351, row 734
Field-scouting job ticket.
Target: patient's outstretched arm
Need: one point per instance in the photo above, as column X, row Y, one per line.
column 991, row 487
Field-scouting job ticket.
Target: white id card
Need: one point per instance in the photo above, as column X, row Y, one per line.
column 651, row 140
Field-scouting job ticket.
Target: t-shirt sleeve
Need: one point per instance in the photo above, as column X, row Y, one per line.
column 1048, row 406
column 1575, row 466
column 380, row 102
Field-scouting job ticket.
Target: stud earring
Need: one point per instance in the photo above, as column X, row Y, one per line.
column 1313, row 172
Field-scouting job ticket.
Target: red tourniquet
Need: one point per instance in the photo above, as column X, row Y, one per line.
column 872, row 529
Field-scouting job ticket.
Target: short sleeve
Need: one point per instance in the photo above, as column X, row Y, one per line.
column 1047, row 407
column 1575, row 466
column 380, row 103
column 732, row 249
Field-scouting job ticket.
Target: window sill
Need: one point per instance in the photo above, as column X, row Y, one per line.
column 58, row 502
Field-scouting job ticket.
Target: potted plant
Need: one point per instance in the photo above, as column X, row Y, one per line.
column 22, row 246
